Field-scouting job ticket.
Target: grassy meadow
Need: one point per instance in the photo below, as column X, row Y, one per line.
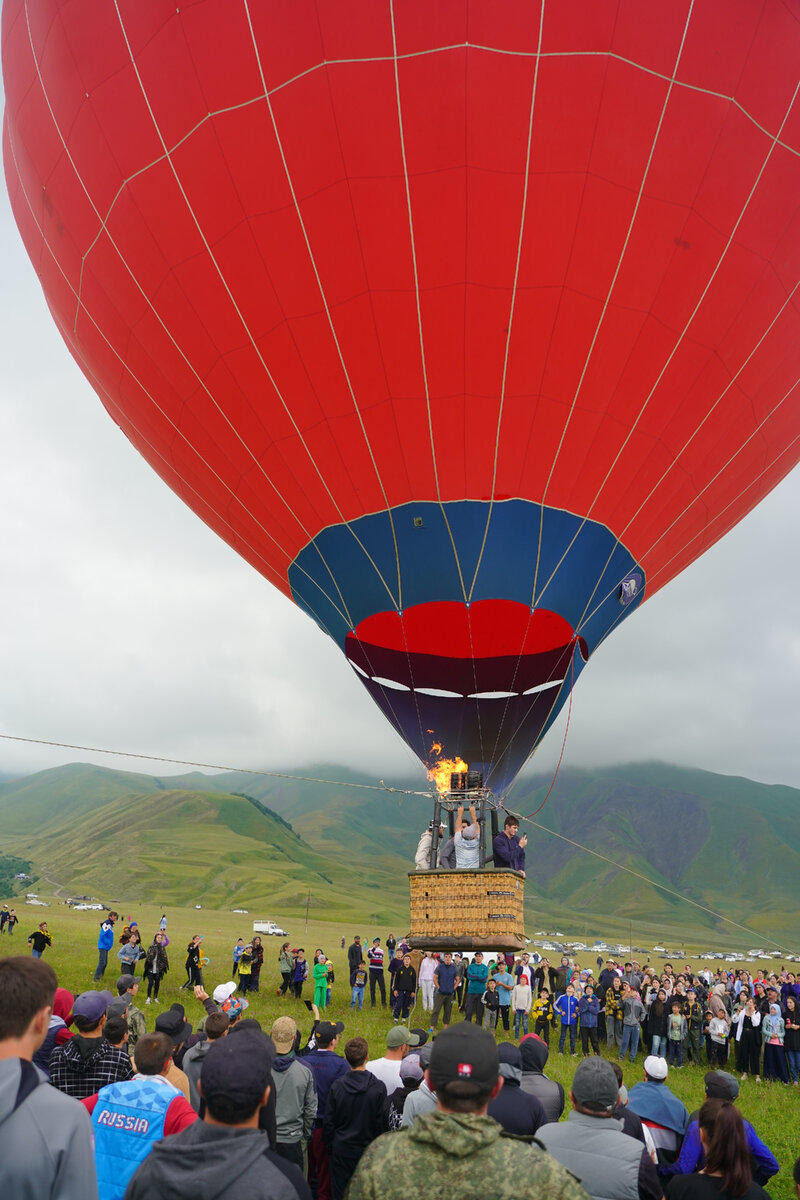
column 773, row 1109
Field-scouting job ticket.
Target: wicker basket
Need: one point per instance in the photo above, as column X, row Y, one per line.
column 467, row 910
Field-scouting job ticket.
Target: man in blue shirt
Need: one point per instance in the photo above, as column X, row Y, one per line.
column 723, row 1086
column 444, row 983
column 508, row 848
column 505, row 986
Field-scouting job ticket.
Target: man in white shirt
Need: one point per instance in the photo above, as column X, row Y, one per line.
column 387, row 1069
column 467, row 841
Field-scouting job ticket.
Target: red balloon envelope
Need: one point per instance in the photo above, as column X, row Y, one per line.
column 469, row 324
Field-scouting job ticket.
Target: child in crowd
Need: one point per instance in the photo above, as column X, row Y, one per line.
column 588, row 1010
column 245, row 967
column 320, row 975
column 238, row 951
column 331, row 981
column 543, row 1014
column 693, row 1012
column 405, row 988
column 521, row 1001
column 677, row 1030
column 567, row 1008
column 299, row 974
column 358, row 982
column 718, row 1030
column 491, row 1006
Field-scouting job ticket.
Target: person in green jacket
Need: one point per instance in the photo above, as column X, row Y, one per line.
column 320, row 975
column 458, row 1149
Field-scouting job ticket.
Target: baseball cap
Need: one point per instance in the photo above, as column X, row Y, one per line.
column 234, row 1006
column 594, row 1085
column 283, row 1033
column 721, row 1085
column 400, row 1036
column 174, row 1024
column 655, row 1067
column 238, row 1068
column 464, row 1052
column 326, row 1031
column 411, row 1068
column 91, row 1005
column 223, row 991
column 469, row 832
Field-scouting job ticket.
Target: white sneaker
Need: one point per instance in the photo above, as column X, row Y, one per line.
column 147, row 1001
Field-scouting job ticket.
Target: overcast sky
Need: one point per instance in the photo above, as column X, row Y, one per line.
column 127, row 624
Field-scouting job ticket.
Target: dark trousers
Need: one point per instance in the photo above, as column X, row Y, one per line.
column 291, row 1151
column 297, row 988
column 319, row 1166
column 286, row 976
column 542, row 1029
column 402, row 1004
column 505, row 1013
column 719, row 1054
column 674, row 1050
column 749, row 1054
column 102, row 963
column 473, row 1007
column 695, row 1044
column 441, row 1001
column 342, row 1168
column 376, row 977
column 588, row 1035
column 153, row 984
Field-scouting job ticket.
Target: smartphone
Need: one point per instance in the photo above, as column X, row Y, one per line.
column 309, row 1005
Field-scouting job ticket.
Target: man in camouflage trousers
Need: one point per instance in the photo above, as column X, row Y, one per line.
column 458, row 1149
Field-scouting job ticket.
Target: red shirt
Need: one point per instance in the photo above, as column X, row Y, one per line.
column 180, row 1113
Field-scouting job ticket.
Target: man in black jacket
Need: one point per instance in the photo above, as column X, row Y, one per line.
column 518, row 1112
column 355, row 953
column 355, row 1115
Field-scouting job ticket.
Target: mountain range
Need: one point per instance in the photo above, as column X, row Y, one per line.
column 672, row 848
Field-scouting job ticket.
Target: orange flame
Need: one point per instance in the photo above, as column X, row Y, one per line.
column 440, row 771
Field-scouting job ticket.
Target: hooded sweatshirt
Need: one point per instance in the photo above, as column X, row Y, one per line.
column 456, row 1154
column 355, row 1114
column 534, row 1081
column 83, row 1065
column 423, row 1100
column 209, row 1162
column 518, row 1112
column 192, row 1066
column 45, row 1142
column 295, row 1099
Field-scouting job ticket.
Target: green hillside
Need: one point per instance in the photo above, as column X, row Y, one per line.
column 665, row 835
column 180, row 847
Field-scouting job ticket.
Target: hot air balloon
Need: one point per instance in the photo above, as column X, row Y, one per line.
column 469, row 325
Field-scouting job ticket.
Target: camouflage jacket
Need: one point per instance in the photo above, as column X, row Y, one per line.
column 459, row 1154
column 137, row 1027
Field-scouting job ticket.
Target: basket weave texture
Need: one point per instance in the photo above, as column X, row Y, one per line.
column 467, row 910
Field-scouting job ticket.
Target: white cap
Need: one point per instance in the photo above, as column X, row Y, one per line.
column 655, row 1067
column 223, row 992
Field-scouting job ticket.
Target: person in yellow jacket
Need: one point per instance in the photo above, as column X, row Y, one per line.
column 542, row 1014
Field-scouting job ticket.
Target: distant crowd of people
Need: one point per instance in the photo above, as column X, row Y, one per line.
column 95, row 1105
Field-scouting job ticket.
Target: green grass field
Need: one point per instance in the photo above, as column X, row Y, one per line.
column 772, row 1108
